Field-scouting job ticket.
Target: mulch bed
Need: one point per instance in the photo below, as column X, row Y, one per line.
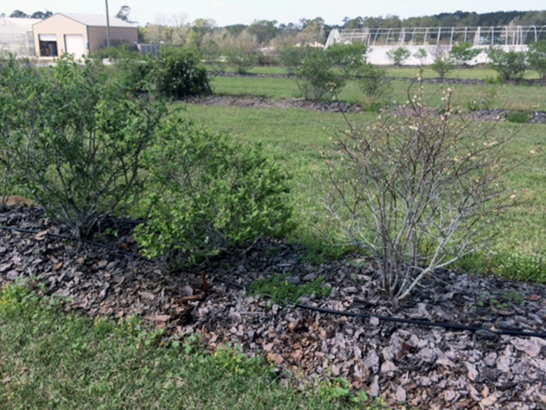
column 433, row 368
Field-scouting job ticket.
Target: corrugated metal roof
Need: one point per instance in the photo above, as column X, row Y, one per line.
column 95, row 20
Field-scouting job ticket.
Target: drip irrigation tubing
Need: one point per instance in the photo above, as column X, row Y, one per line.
column 418, row 322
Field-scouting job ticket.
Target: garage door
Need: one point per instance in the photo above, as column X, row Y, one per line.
column 74, row 44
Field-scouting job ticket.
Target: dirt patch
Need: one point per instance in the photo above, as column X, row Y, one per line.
column 426, row 367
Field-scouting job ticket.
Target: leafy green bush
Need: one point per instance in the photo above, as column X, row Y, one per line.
column 374, row 83
column 282, row 291
column 537, row 58
column 242, row 60
column 136, row 75
column 350, row 57
column 290, row 58
column 316, row 77
column 442, row 65
column 78, row 140
column 398, row 56
column 9, row 68
column 421, row 55
column 115, row 53
column 510, row 65
column 179, row 73
column 211, row 194
column 463, row 53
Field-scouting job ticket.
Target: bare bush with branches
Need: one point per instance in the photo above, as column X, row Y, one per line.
column 416, row 189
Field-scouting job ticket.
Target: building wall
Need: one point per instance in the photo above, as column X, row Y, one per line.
column 118, row 35
column 59, row 25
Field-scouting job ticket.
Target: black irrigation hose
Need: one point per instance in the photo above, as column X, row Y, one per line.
column 425, row 323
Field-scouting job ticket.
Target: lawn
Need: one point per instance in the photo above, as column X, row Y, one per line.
column 478, row 73
column 295, row 138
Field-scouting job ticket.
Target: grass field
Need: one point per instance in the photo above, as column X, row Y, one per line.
column 295, row 138
column 480, row 73
column 508, row 96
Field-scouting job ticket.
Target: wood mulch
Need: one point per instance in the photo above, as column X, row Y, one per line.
column 425, row 367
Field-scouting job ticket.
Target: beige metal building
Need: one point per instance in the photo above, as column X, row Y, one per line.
column 79, row 34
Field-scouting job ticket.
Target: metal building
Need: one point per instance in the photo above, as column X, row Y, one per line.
column 79, row 34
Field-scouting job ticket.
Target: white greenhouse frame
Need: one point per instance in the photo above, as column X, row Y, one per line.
column 440, row 36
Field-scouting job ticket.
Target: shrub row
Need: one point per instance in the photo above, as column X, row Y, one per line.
column 86, row 146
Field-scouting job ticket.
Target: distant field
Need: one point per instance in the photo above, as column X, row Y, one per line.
column 508, row 96
column 480, row 73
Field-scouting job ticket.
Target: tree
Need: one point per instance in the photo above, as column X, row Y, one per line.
column 41, row 15
column 263, row 30
column 123, row 14
column 241, row 51
column 19, row 14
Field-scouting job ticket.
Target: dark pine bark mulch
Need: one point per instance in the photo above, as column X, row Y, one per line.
column 426, row 367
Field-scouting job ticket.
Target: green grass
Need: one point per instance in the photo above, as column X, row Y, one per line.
column 506, row 96
column 295, row 138
column 470, row 73
column 55, row 360
column 282, row 291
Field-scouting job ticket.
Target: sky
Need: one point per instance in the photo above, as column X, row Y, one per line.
column 227, row 12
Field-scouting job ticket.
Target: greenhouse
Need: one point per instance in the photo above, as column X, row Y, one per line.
column 444, row 36
column 437, row 40
column 16, row 36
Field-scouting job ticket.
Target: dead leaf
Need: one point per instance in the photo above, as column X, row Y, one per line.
column 275, row 358
column 41, row 236
column 147, row 295
column 162, row 318
column 374, row 387
column 58, row 266
column 489, row 401
column 449, row 395
column 102, row 264
column 268, row 347
column 5, row 267
column 472, row 371
column 388, row 366
column 400, row 394
column 531, row 346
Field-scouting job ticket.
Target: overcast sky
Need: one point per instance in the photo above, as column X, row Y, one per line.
column 226, row 12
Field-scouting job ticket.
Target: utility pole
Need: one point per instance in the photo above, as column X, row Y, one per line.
column 107, row 26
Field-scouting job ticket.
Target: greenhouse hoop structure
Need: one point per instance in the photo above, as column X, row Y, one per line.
column 440, row 36
column 16, row 36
